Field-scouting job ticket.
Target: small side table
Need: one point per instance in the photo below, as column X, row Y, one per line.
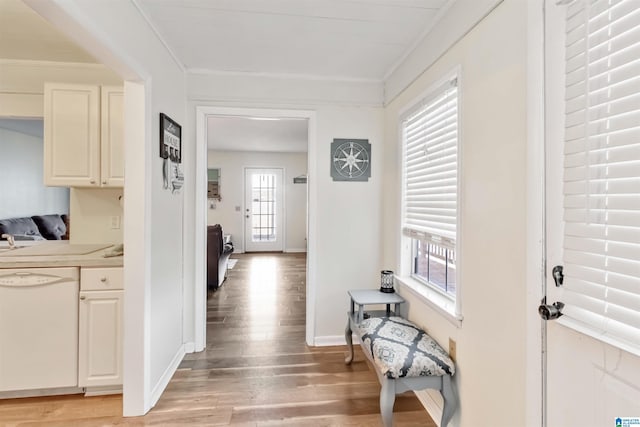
column 362, row 297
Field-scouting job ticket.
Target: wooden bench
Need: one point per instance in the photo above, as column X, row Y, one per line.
column 405, row 358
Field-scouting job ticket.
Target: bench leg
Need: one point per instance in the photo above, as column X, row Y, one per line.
column 349, row 339
column 450, row 401
column 387, row 399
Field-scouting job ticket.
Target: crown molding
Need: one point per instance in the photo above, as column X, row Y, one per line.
column 282, row 76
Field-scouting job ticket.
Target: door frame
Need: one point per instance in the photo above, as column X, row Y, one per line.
column 536, row 221
column 200, row 294
column 283, row 213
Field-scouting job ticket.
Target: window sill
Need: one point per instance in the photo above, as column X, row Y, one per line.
column 440, row 303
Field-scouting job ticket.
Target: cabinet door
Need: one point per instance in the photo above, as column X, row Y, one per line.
column 100, row 341
column 112, row 137
column 71, row 135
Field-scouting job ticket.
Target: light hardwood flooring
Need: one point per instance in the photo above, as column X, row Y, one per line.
column 257, row 370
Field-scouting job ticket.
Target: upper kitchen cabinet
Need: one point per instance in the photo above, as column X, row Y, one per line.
column 83, row 135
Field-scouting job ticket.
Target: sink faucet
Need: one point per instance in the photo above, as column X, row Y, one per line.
column 10, row 239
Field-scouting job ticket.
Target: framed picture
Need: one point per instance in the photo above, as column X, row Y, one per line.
column 170, row 139
column 350, row 159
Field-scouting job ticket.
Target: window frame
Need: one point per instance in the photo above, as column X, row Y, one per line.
column 450, row 307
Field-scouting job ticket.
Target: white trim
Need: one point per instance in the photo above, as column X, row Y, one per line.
column 282, row 76
column 190, row 347
column 201, row 200
column 430, row 297
column 200, row 240
column 162, row 383
column 295, row 250
column 535, row 282
column 49, row 64
column 432, row 402
column 332, row 340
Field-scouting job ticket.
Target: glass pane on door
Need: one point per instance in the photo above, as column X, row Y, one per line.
column 263, row 209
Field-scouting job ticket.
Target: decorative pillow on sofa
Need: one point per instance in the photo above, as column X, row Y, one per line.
column 19, row 227
column 51, row 227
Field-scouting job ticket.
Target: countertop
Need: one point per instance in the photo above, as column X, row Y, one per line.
column 93, row 259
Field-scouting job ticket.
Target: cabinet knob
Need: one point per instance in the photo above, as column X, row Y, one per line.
column 93, row 181
column 103, row 279
column 82, row 298
column 104, row 182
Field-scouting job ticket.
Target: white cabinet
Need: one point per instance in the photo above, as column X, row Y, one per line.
column 100, row 327
column 83, row 135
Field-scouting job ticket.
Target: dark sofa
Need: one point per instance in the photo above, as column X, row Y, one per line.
column 218, row 253
column 37, row 227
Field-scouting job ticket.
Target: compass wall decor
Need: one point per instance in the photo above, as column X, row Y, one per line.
column 350, row 160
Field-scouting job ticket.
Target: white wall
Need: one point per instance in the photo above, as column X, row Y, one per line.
column 491, row 342
column 23, row 192
column 232, row 165
column 118, row 35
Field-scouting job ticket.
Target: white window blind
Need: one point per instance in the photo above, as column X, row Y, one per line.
column 430, row 135
column 602, row 170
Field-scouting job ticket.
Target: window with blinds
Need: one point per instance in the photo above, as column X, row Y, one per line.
column 602, row 170
column 430, row 186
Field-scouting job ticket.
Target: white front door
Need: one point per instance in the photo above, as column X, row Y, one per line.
column 263, row 211
column 592, row 377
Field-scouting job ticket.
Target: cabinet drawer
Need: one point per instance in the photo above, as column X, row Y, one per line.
column 101, row 279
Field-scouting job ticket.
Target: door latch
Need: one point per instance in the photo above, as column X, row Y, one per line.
column 558, row 276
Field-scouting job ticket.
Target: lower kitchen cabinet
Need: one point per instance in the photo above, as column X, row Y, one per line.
column 100, row 328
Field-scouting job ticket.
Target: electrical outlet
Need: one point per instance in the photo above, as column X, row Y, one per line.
column 115, row 222
column 452, row 349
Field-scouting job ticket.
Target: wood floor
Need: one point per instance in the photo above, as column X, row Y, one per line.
column 257, row 370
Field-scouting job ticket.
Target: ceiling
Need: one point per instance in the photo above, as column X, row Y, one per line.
column 330, row 39
column 355, row 39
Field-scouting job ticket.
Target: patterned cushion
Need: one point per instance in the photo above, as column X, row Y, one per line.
column 401, row 349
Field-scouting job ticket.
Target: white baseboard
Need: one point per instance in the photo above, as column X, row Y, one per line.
column 162, row 383
column 295, row 250
column 432, row 402
column 330, row 340
column 189, row 347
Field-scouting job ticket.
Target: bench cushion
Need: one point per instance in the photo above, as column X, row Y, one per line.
column 401, row 349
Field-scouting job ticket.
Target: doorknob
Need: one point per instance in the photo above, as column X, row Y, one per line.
column 550, row 311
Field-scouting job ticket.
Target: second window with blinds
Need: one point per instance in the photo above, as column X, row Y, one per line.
column 429, row 134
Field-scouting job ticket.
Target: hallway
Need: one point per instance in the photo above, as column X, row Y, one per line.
column 257, row 370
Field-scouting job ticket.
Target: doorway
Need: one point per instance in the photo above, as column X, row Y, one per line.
column 309, row 226
column 263, row 219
